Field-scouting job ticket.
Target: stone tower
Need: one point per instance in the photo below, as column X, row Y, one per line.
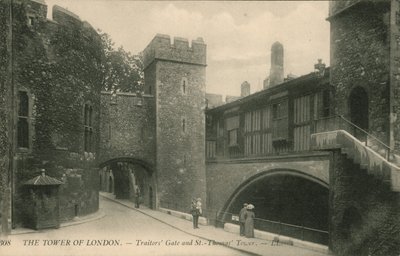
column 276, row 71
column 364, row 64
column 364, row 74
column 175, row 74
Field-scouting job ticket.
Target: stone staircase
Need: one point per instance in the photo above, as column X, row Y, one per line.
column 369, row 158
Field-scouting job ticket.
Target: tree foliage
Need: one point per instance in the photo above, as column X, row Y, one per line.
column 123, row 71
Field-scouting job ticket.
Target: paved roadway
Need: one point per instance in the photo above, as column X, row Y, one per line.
column 122, row 231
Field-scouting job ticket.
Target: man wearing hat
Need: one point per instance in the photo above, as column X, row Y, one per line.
column 196, row 211
column 242, row 218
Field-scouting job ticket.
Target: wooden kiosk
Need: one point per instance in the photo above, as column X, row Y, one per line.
column 43, row 207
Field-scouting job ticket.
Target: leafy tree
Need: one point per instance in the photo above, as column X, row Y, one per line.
column 123, row 71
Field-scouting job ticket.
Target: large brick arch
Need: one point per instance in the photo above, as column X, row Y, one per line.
column 269, row 172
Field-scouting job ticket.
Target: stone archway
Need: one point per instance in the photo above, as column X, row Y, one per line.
column 359, row 112
column 126, row 174
column 288, row 202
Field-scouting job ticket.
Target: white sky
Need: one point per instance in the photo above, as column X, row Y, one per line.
column 238, row 34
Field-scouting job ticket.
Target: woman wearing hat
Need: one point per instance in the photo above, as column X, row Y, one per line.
column 242, row 218
column 249, row 221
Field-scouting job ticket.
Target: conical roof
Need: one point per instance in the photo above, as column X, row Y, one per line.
column 43, row 180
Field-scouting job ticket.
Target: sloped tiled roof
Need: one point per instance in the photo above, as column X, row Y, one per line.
column 43, row 180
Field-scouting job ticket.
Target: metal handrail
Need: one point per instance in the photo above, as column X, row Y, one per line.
column 367, row 133
column 224, row 213
column 292, row 225
column 385, row 146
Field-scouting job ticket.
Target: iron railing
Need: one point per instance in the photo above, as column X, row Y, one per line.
column 219, row 218
column 278, row 227
column 338, row 122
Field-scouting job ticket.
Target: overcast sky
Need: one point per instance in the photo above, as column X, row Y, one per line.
column 238, row 35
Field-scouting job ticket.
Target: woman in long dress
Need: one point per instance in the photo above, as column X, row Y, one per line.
column 249, row 222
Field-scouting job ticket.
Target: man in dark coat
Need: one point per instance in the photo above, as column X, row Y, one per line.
column 242, row 219
column 195, row 213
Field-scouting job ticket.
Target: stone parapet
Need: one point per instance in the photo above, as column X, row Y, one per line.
column 160, row 48
column 64, row 17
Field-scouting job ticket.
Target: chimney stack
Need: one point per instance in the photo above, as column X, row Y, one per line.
column 245, row 89
column 276, row 71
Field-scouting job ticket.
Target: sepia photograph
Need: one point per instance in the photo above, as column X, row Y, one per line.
column 204, row 128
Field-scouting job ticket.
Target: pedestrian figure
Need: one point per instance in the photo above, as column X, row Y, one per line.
column 137, row 197
column 198, row 206
column 195, row 213
column 242, row 218
column 249, row 221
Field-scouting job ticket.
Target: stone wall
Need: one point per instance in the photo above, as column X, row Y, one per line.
column 127, row 127
column 360, row 57
column 57, row 65
column 364, row 211
column 4, row 112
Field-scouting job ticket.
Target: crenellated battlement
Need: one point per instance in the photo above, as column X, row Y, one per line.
column 65, row 17
column 161, row 48
column 37, row 8
column 342, row 6
column 336, row 7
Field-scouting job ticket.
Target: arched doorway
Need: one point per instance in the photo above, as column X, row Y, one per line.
column 358, row 107
column 287, row 202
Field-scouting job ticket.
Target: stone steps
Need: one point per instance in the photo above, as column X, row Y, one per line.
column 373, row 162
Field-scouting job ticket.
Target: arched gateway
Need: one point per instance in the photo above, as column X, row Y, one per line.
column 123, row 175
column 287, row 202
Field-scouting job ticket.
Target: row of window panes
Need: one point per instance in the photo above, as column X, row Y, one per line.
column 252, row 142
column 302, row 109
column 257, row 120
